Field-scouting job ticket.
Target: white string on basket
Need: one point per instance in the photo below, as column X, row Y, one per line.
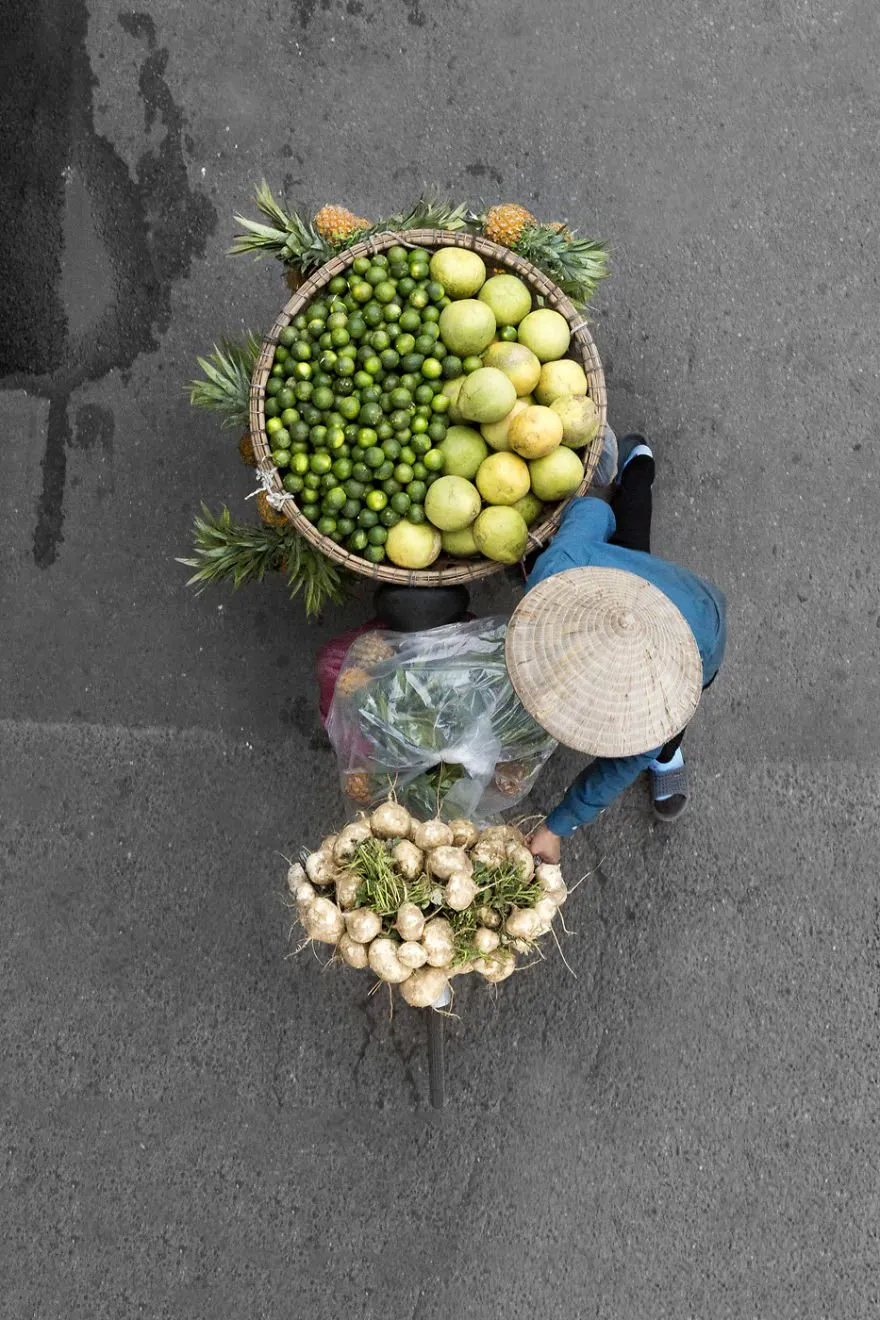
column 277, row 499
column 581, row 325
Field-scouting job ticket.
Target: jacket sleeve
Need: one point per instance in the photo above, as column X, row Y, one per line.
column 584, row 522
column 593, row 790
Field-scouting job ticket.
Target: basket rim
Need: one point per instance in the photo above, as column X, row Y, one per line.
column 447, row 569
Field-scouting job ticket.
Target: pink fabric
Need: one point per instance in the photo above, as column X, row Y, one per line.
column 330, row 660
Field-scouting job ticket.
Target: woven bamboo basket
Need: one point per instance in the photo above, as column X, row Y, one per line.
column 446, row 569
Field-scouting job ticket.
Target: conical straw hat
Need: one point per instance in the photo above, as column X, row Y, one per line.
column 604, row 661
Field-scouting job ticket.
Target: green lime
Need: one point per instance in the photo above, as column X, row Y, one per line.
column 424, row 393
column 300, row 322
column 360, row 472
column 320, row 463
column 420, row 444
column 367, row 518
column 290, row 417
column 337, row 321
column 323, row 398
column 300, row 463
column 335, row 499
column 325, row 341
column 328, row 360
column 388, row 517
column 434, row 460
column 375, row 553
column 288, row 336
column 385, row 471
column 403, row 473
column 303, row 390
column 379, row 340
column 452, row 367
column 391, row 487
column 415, row 513
column 318, row 436
column 419, row 271
column 326, row 525
column 400, row 397
column 377, row 535
column 385, row 292
column 440, row 404
column 277, row 372
column 370, row 415
column 372, row 313
column 311, row 481
column 351, row 508
column 281, row 458
column 396, row 253
column 401, row 501
column 409, row 382
column 345, row 366
column 430, row 316
column 309, row 499
column 358, row 540
column 360, row 265
column 362, row 381
column 282, row 439
column 349, row 407
column 286, row 398
column 374, row 458
column 423, row 345
column 292, row 483
column 410, row 321
column 407, row 455
column 437, row 429
column 412, row 362
column 391, row 449
column 271, row 408
column 339, row 338
column 354, row 489
column 392, row 312
column 436, row 291
column 384, row 430
column 274, row 385
column 420, row 472
column 328, row 482
column 376, row 274
column 274, row 424
column 366, row 437
column 399, row 419
column 345, row 526
column 432, row 369
column 342, row 468
column 419, row 425
column 337, row 284
column 415, row 492
column 373, row 365
column 357, row 326
column 302, row 350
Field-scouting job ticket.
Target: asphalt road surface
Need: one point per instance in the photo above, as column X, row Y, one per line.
column 195, row 1127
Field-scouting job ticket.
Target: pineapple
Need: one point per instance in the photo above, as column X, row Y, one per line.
column 507, row 223
column 575, row 264
column 336, row 224
column 358, row 786
column 352, row 680
column 289, row 237
column 271, row 516
column 226, row 384
column 226, row 550
column 370, row 649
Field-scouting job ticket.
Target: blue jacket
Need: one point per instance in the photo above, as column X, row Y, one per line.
column 582, row 541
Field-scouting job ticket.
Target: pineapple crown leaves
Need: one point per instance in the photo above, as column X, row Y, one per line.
column 225, row 385
column 290, row 237
column 429, row 211
column 575, row 263
column 227, row 550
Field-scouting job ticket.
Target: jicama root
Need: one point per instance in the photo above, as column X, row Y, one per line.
column 463, row 969
column 323, row 921
column 502, row 834
column 432, row 834
column 296, row 875
column 363, row 925
column 391, row 821
column 545, row 910
column 489, row 853
column 425, row 986
column 409, row 860
column 487, row 916
column 305, row 894
column 522, row 924
column 385, row 963
column 412, row 954
column 446, row 861
column 464, row 833
column 486, row 940
column 410, row 921
column 496, row 966
column 460, row 891
column 439, row 942
column 347, row 886
column 352, row 952
column 520, row 857
column 347, row 840
column 551, row 881
column 320, row 868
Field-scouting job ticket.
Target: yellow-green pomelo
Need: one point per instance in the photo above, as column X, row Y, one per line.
column 580, row 420
column 495, row 433
column 501, row 534
column 557, row 475
column 460, row 271
column 517, row 362
column 530, row 507
column 466, row 327
column 545, row 332
column 464, row 449
column 503, row 478
column 412, row 545
column 508, row 297
column 452, row 389
column 452, row 503
column 486, row 395
column 460, row 543
column 560, row 378
column 535, row 431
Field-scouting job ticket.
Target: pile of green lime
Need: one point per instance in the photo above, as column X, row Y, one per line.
column 355, row 409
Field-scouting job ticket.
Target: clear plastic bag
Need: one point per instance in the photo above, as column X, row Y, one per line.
column 433, row 716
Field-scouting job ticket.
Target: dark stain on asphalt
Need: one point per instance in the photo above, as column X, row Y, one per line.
column 479, row 170
column 94, row 425
column 146, row 231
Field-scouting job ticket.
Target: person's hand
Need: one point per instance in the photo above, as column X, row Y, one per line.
column 545, row 845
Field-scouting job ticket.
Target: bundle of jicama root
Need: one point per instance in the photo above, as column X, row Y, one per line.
column 418, row 902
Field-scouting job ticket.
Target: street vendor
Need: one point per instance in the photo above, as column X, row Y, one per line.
column 610, row 649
